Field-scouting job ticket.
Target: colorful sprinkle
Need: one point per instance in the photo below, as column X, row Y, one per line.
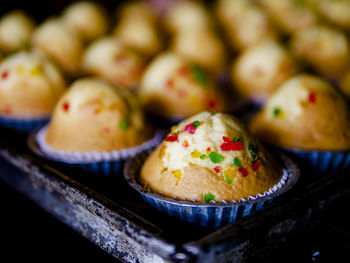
column 170, row 83
column 19, row 70
column 278, row 113
column 123, row 124
column 212, row 104
column 215, row 157
column 243, row 172
column 228, row 175
column 237, row 162
column 255, row 165
column 209, row 197
column 185, row 144
column 199, row 75
column 172, row 137
column 217, row 169
column 177, row 174
column 208, row 149
column 312, row 97
column 229, row 145
column 196, row 154
column 184, row 70
column 204, row 156
column 36, row 71
column 191, row 128
column 4, row 74
column 65, row 106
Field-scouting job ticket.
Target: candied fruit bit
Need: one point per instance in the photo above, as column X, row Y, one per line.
column 212, row 104
column 124, row 125
column 184, row 70
column 170, row 83
column 99, row 109
column 243, row 172
column 229, row 145
column 209, row 197
column 177, row 174
column 312, row 97
column 191, row 128
column 278, row 112
column 237, row 162
column 181, row 93
column 185, row 144
column 199, row 75
column 255, row 165
column 172, row 137
column 107, row 130
column 228, row 175
column 65, row 106
column 215, row 157
column 5, row 74
column 203, row 156
column 36, row 71
column 196, row 154
column 217, row 169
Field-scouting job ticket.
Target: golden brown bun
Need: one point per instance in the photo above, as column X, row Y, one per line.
column 87, row 19
column 173, row 87
column 60, row 43
column 325, row 49
column 305, row 113
column 262, row 68
column 15, row 30
column 176, row 168
column 109, row 59
column 29, row 86
column 96, row 116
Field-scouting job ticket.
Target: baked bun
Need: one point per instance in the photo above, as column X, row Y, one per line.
column 94, row 115
column 324, row 48
column 16, row 29
column 210, row 154
column 175, row 88
column 29, row 86
column 87, row 19
column 60, row 43
column 109, row 59
column 305, row 113
column 259, row 70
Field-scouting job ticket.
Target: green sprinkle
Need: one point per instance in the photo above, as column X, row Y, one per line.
column 204, row 156
column 276, row 112
column 252, row 148
column 237, row 162
column 228, row 180
column 196, row 124
column 199, row 75
column 236, row 139
column 215, row 157
column 209, row 197
column 124, row 125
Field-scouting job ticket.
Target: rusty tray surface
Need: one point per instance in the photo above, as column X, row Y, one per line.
column 114, row 217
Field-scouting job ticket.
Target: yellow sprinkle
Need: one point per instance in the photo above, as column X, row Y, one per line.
column 19, row 70
column 173, row 128
column 177, row 174
column 196, row 154
column 36, row 71
column 99, row 109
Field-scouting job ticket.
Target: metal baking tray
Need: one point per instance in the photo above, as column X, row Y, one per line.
column 114, row 217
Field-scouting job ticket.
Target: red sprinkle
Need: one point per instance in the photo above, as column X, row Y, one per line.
column 189, row 128
column 229, row 145
column 170, row 83
column 4, row 74
column 243, row 171
column 184, row 70
column 208, row 149
column 65, row 106
column 312, row 97
column 217, row 169
column 172, row 137
column 7, row 109
column 212, row 104
column 185, row 144
column 255, row 165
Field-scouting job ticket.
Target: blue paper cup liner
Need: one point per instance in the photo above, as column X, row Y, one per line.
column 212, row 214
column 22, row 125
column 100, row 163
column 323, row 162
